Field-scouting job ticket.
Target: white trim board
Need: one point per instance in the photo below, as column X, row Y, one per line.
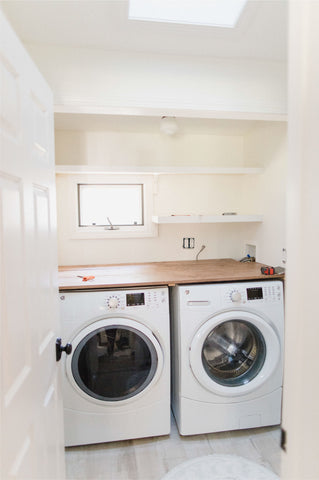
column 157, row 170
column 91, row 109
column 206, row 219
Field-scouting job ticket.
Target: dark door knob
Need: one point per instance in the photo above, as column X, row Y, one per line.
column 59, row 349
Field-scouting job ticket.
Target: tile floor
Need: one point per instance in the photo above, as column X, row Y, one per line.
column 151, row 458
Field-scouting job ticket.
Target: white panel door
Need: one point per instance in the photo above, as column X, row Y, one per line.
column 31, row 410
column 300, row 461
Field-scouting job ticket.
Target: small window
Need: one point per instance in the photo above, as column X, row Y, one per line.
column 119, row 205
column 89, row 204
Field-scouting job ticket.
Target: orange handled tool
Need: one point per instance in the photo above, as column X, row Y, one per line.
column 267, row 270
column 86, row 278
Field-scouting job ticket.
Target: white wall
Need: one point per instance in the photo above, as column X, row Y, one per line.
column 100, row 81
column 183, row 194
column 147, row 149
column 93, row 78
column 267, row 146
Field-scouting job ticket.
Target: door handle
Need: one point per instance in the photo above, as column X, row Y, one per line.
column 59, row 349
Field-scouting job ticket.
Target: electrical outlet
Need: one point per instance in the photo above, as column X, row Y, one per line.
column 188, row 242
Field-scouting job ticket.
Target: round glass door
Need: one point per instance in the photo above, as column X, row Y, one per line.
column 233, row 353
column 114, row 362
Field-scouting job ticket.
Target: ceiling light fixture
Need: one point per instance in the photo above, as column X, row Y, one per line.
column 216, row 13
column 168, row 125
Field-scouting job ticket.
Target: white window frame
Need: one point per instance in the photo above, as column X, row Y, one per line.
column 149, row 229
column 110, row 220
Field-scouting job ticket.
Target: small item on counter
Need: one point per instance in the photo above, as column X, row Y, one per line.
column 267, row 270
column 86, row 277
column 279, row 270
column 229, row 213
column 248, row 258
column 272, row 270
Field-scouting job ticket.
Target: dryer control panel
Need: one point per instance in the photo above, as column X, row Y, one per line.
column 145, row 299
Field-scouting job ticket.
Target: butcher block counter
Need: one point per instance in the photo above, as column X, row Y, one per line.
column 160, row 273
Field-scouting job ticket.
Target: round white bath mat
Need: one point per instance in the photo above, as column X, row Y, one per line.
column 220, row 467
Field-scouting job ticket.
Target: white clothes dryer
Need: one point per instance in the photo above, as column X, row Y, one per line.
column 116, row 381
column 227, row 355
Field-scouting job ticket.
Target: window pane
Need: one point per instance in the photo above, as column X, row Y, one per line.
column 122, row 204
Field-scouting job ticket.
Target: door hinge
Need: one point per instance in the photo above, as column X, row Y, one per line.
column 283, row 439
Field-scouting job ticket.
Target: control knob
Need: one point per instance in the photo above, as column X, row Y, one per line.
column 235, row 296
column 113, row 302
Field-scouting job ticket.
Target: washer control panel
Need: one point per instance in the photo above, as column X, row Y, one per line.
column 243, row 294
column 145, row 299
column 235, row 295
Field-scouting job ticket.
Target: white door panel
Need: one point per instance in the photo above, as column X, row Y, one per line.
column 31, row 410
column 301, row 386
column 10, row 105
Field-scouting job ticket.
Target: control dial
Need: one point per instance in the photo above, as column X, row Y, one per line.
column 235, row 296
column 113, row 302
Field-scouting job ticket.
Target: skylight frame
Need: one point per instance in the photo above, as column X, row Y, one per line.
column 214, row 13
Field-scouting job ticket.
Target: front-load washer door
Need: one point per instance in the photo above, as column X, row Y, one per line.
column 114, row 360
column 233, row 353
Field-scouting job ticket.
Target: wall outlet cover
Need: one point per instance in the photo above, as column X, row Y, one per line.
column 188, row 242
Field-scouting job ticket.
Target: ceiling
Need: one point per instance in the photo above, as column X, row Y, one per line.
column 260, row 33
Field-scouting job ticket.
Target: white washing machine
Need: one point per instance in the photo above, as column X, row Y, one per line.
column 227, row 356
column 116, row 381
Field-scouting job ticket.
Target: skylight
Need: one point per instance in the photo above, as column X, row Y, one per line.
column 217, row 13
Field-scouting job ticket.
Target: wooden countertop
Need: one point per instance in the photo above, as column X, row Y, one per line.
column 161, row 273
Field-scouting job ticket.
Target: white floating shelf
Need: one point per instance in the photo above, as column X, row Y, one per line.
column 207, row 219
column 86, row 111
column 157, row 170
